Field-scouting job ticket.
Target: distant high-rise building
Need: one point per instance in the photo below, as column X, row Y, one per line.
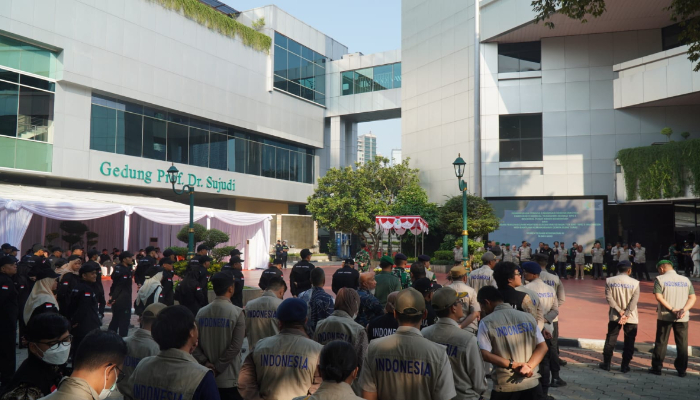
column 396, row 156
column 366, row 148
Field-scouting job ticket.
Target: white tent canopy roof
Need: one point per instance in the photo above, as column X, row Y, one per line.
column 18, row 204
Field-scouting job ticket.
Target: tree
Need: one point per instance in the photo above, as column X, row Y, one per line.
column 684, row 11
column 74, row 232
column 91, row 239
column 348, row 200
column 50, row 237
column 214, row 237
column 481, row 219
column 199, row 232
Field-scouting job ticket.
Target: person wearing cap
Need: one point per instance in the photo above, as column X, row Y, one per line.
column 203, row 262
column 70, row 277
column 285, row 253
column 272, row 271
column 82, row 309
column 675, row 296
column 93, row 256
column 261, row 313
column 9, row 306
column 146, row 262
column 461, row 346
column 41, row 299
column 400, row 261
column 512, row 343
column 300, row 277
column 320, row 302
column 385, row 324
column 549, row 366
column 166, row 283
column 283, row 366
column 426, row 264
column 363, row 259
column 173, row 373
column 104, row 256
column 203, row 250
column 622, row 295
column 56, row 255
column 470, row 307
column 120, row 294
column 6, row 249
column 347, row 276
column 235, row 270
column 554, row 282
column 406, row 365
column 168, row 254
column 221, row 332
column 140, row 344
column 341, row 326
column 483, row 276
column 189, row 291
column 426, row 288
column 387, row 282
column 370, row 307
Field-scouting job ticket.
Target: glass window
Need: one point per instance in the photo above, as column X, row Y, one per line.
column 254, row 157
column 37, row 83
column 35, row 117
column 218, row 146
column 307, row 69
column 180, row 119
column 383, row 77
column 154, row 138
column 104, row 100
column 296, row 166
column 280, row 40
column 347, row 82
column 177, row 143
column 155, row 112
column 319, row 79
column 9, row 76
column 9, row 96
column 34, row 156
column 293, row 67
column 7, row 151
column 282, row 164
column 519, row 57
column 129, row 132
column 319, row 59
column 103, row 129
column 307, row 53
column 363, row 80
column 294, row 47
column 294, row 88
column 307, row 93
column 199, row 147
column 319, row 98
column 397, row 75
column 309, row 169
column 10, row 51
column 239, row 148
column 281, row 62
column 268, row 161
column 520, row 137
column 670, row 37
column 198, row 123
column 26, row 57
column 281, row 83
column 684, row 215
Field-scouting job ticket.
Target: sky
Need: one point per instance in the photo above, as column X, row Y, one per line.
column 365, row 26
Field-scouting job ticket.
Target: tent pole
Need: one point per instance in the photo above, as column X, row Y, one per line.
column 126, row 230
column 415, row 246
column 422, row 242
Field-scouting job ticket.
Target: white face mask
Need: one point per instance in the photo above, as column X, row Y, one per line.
column 106, row 392
column 57, row 356
column 372, row 291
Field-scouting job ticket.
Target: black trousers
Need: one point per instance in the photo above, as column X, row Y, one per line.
column 555, row 345
column 548, row 367
column 561, row 269
column 680, row 335
column 535, row 393
column 284, row 261
column 8, row 357
column 598, row 270
column 120, row 322
column 612, row 268
column 230, row 394
column 638, row 269
column 630, row 333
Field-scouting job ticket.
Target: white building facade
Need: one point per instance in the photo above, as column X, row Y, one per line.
column 396, row 156
column 366, row 148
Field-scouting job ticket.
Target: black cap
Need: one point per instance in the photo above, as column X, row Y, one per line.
column 88, row 267
column 400, row 256
column 423, row 285
column 38, row 247
column 92, row 253
column 150, row 249
column 305, row 253
column 349, row 261
column 235, row 252
column 423, row 257
column 203, row 259
column 277, row 261
column 166, row 260
column 76, row 247
column 54, row 249
column 6, row 246
column 168, row 252
column 13, row 248
column 44, row 272
column 7, row 260
column 125, row 254
column 235, row 260
column 203, row 247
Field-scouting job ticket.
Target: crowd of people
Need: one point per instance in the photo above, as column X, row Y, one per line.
column 396, row 333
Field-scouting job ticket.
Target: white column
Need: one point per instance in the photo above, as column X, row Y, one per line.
column 208, row 223
column 337, row 142
column 350, row 143
column 127, row 223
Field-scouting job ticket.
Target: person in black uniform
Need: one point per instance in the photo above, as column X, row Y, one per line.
column 9, row 307
column 167, row 282
column 189, row 292
column 426, row 287
column 6, row 249
column 168, row 254
column 347, row 276
column 386, row 324
column 608, row 260
column 300, row 277
column 83, row 311
column 24, row 285
column 120, row 294
column 272, row 271
column 285, row 253
column 278, row 250
column 234, row 270
column 68, row 282
column 104, row 257
column 56, row 255
column 203, row 262
column 93, row 256
column 144, row 264
column 203, row 250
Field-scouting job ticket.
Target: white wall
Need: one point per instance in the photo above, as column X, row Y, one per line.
column 437, row 90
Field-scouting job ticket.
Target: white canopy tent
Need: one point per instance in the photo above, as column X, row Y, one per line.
column 131, row 218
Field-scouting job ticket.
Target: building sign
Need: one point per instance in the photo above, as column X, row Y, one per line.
column 161, row 175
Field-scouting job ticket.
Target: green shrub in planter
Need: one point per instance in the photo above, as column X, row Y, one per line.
column 179, row 251
column 443, row 255
column 181, row 266
column 221, row 252
column 441, row 262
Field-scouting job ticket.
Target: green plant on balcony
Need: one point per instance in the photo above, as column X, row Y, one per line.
column 216, row 21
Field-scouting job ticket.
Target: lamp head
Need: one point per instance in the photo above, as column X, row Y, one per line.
column 172, row 174
column 459, row 166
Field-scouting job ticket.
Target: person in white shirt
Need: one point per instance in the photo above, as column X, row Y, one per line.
column 695, row 255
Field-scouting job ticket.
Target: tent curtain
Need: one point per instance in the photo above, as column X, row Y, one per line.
column 256, row 253
column 14, row 221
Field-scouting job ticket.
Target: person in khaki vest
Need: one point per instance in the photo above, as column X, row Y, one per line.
column 554, row 281
column 406, row 365
column 510, row 340
column 95, row 368
column 140, row 343
column 341, row 325
column 283, row 366
column 483, row 276
column 462, row 349
column 470, row 307
column 261, row 313
column 676, row 296
column 339, row 369
column 173, row 373
column 622, row 294
column 221, row 328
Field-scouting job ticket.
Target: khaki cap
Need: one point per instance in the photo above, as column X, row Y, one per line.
column 445, row 297
column 153, row 310
column 410, row 302
column 458, row 271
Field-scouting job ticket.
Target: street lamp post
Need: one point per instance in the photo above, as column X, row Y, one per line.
column 173, row 174
column 459, row 165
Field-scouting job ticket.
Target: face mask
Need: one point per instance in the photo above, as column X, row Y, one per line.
column 58, row 356
column 106, row 392
column 372, row 291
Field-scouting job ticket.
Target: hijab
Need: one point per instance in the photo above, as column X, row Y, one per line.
column 41, row 294
column 348, row 300
column 67, row 268
column 148, row 287
column 391, row 302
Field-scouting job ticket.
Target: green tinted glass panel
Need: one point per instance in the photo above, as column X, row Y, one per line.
column 397, row 75
column 27, row 57
column 103, row 129
column 9, row 97
column 33, row 156
column 129, row 132
column 217, row 151
column 383, row 77
column 154, row 138
column 177, row 143
column 35, row 114
column 346, row 84
column 268, row 161
column 7, row 152
column 199, row 147
column 363, row 80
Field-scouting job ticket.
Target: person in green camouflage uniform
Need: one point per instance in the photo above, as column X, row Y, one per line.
column 400, row 262
column 362, row 259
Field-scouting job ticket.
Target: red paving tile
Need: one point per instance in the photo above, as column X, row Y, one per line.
column 584, row 315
